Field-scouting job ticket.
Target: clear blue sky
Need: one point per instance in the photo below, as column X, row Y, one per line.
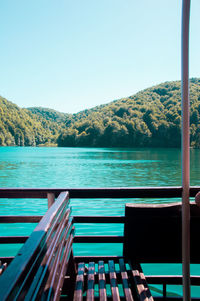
column 70, row 55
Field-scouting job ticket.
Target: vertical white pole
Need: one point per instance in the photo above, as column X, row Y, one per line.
column 185, row 150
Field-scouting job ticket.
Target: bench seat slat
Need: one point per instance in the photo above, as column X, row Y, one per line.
column 78, row 294
column 90, row 288
column 141, row 291
column 113, row 281
column 148, row 293
column 124, row 275
column 102, row 282
column 133, row 281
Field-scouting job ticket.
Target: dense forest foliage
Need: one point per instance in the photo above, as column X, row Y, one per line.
column 151, row 117
column 49, row 114
column 22, row 128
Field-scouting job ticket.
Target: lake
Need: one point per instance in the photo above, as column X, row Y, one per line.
column 88, row 167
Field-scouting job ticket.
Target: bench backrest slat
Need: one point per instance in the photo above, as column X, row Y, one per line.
column 15, row 280
column 46, row 283
column 59, row 283
column 47, row 265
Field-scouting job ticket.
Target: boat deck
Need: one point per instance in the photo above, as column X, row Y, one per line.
column 46, row 269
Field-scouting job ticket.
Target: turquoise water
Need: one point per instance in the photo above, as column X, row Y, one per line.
column 89, row 167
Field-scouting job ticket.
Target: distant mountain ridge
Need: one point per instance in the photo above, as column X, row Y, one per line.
column 150, row 118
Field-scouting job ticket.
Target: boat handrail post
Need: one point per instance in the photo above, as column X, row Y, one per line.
column 51, row 199
column 185, row 149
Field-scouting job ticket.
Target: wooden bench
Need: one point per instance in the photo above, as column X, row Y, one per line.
column 114, row 280
column 45, row 269
column 39, row 269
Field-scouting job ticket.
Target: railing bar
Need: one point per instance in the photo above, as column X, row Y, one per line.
column 77, row 219
column 13, row 239
column 99, row 219
column 117, row 192
column 20, row 219
column 98, row 239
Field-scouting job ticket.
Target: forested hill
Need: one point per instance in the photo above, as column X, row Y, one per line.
column 151, row 117
column 49, row 114
column 20, row 127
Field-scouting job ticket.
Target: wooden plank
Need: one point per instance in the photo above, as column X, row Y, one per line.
column 52, row 289
column 99, row 219
column 148, row 293
column 98, row 239
column 46, row 270
column 17, row 268
column 90, row 282
column 46, row 266
column 19, row 219
column 78, row 293
column 13, row 239
column 67, row 254
column 141, row 291
column 113, row 281
column 102, row 282
column 34, row 193
column 56, row 267
column 118, row 192
column 50, row 246
column 51, row 198
column 68, row 287
column 49, row 216
column 124, row 275
column 48, row 281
